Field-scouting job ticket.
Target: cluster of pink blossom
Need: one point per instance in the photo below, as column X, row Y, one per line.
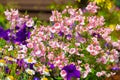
column 75, row 45
column 91, row 7
column 15, row 20
column 62, row 40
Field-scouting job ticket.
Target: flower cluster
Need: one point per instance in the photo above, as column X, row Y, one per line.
column 19, row 27
column 76, row 45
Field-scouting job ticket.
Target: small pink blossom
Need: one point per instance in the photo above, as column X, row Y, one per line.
column 98, row 74
column 30, row 45
column 63, row 73
column 72, row 50
column 118, row 27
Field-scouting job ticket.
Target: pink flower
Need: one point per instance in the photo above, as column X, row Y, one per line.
column 103, row 59
column 111, row 57
column 30, row 45
column 91, row 7
column 103, row 72
column 71, row 11
column 72, row 50
column 85, row 74
column 118, row 27
column 94, row 53
column 80, row 19
column 97, row 48
column 57, row 26
column 21, row 56
column 98, row 74
column 30, row 23
column 11, row 15
column 63, row 73
column 90, row 48
column 50, row 56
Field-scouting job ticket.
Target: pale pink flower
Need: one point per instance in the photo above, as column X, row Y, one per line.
column 52, row 18
column 113, row 73
column 90, row 48
column 30, row 45
column 57, row 26
column 115, row 44
column 50, row 56
column 94, row 53
column 71, row 11
column 103, row 72
column 63, row 73
column 103, row 59
column 38, row 53
column 85, row 74
column 79, row 62
column 80, row 19
column 72, row 50
column 52, row 29
column 30, row 23
column 118, row 27
column 108, row 75
column 111, row 58
column 91, row 7
column 97, row 48
column 82, row 55
column 21, row 56
column 8, row 14
column 98, row 74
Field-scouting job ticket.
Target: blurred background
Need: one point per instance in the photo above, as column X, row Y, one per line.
column 35, row 8
column 42, row 8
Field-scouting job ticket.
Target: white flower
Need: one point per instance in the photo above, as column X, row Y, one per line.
column 46, row 72
column 10, row 58
column 108, row 75
column 30, row 23
column 23, row 49
column 38, row 52
column 30, row 71
column 9, row 78
column 111, row 58
column 21, row 56
column 2, row 62
column 30, row 60
column 84, row 75
column 11, row 48
column 118, row 27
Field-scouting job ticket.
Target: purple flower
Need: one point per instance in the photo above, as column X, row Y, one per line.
column 18, row 37
column 4, row 33
column 51, row 65
column 7, row 70
column 20, row 62
column 36, row 78
column 115, row 68
column 60, row 33
column 97, row 35
column 71, row 71
column 22, row 35
column 52, row 36
column 79, row 38
column 31, row 66
column 69, row 36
